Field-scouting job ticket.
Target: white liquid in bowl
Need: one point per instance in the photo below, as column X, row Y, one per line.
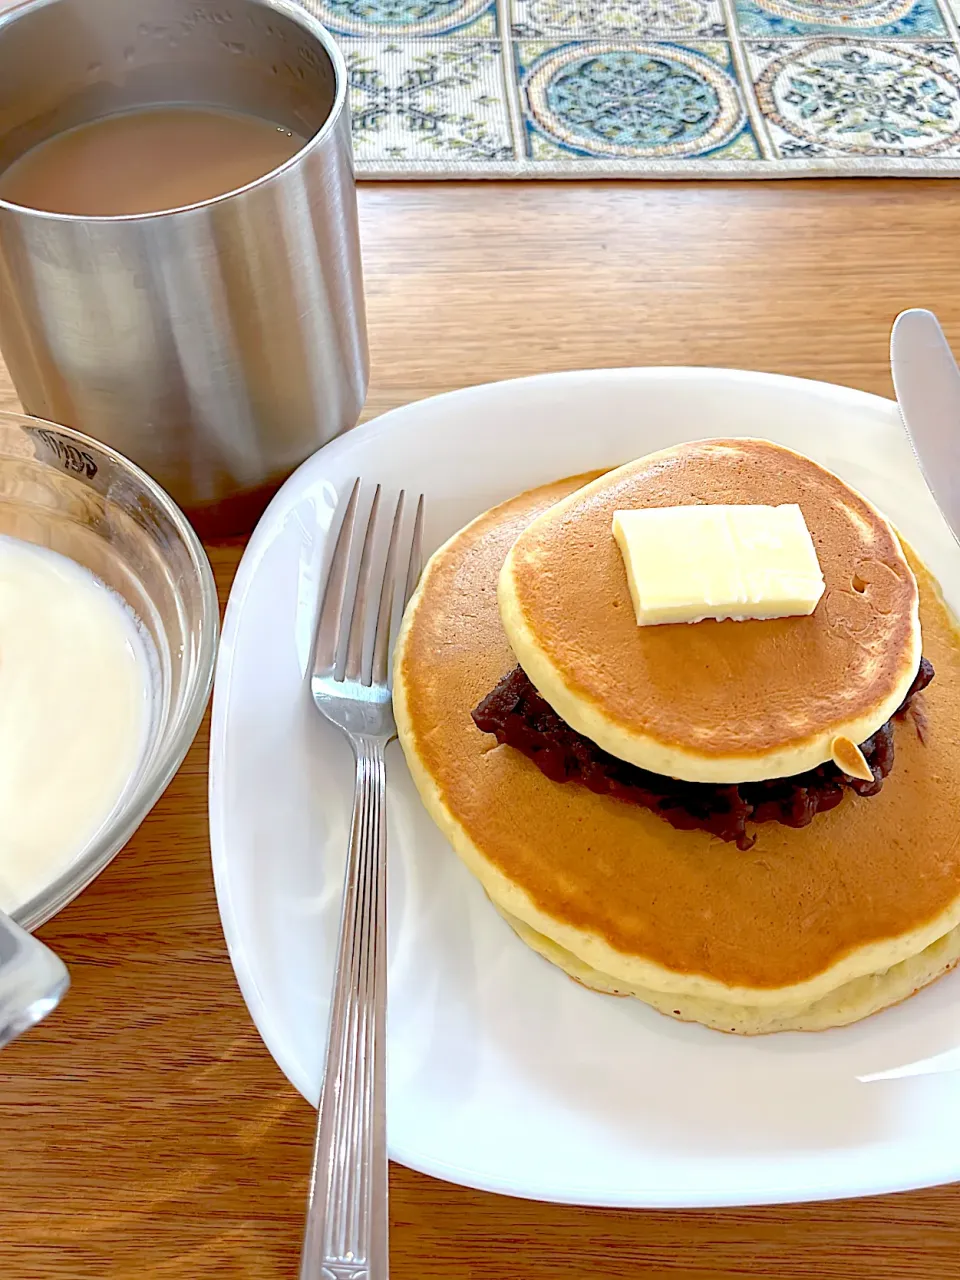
column 74, row 711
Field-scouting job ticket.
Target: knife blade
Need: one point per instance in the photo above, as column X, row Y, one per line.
column 927, row 384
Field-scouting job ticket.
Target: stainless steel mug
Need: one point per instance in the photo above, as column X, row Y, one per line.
column 216, row 345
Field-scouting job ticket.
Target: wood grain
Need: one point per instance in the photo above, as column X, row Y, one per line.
column 144, row 1130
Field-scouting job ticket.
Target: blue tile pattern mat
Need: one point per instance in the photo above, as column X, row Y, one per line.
column 650, row 88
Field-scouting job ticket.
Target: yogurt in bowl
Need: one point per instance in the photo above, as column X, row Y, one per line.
column 75, row 692
column 108, row 629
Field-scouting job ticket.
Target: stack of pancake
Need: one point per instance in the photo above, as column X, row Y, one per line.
column 681, row 813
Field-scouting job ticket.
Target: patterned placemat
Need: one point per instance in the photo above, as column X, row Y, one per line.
column 650, row 88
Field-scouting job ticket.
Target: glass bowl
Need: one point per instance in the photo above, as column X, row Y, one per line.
column 62, row 490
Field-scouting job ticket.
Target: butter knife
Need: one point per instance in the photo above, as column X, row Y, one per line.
column 927, row 383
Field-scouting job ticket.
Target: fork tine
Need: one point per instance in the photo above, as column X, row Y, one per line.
column 407, row 575
column 415, row 564
column 355, row 617
column 328, row 621
column 381, row 644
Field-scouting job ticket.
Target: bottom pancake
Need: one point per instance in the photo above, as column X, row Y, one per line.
column 811, row 927
column 849, row 1003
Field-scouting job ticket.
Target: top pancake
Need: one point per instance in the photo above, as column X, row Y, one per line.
column 714, row 701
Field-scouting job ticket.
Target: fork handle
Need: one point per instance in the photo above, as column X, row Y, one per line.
column 347, row 1221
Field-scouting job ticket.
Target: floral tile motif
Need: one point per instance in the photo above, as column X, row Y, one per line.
column 388, row 19
column 851, row 18
column 657, row 19
column 630, row 100
column 657, row 88
column 429, row 101
column 831, row 97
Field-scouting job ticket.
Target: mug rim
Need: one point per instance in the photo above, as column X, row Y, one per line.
column 296, row 14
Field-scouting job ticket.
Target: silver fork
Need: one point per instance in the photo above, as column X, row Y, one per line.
column 346, row 1230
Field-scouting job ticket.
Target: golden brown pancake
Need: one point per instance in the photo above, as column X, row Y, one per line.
column 716, row 701
column 850, row 1002
column 768, row 934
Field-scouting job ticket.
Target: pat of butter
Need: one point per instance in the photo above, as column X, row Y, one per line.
column 685, row 564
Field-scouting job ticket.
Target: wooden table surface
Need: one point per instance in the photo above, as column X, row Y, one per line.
column 144, row 1129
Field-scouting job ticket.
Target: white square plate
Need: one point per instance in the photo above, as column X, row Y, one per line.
column 503, row 1074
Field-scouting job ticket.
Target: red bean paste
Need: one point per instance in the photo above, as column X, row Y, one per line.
column 516, row 714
